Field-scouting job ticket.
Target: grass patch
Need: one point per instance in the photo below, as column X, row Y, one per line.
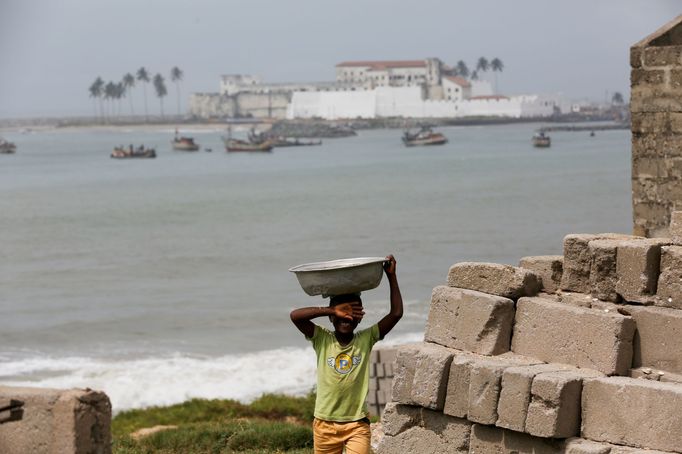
column 220, row 426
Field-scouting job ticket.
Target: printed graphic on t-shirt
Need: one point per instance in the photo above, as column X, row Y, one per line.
column 343, row 363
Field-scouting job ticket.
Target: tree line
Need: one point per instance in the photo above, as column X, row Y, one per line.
column 482, row 66
column 109, row 94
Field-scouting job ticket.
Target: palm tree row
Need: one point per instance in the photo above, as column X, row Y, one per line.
column 482, row 66
column 108, row 93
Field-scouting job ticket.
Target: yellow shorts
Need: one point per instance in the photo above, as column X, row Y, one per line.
column 331, row 437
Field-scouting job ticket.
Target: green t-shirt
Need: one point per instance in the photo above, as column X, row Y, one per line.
column 342, row 374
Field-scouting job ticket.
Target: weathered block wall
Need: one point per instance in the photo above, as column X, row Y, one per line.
column 382, row 363
column 656, row 108
column 576, row 354
column 55, row 421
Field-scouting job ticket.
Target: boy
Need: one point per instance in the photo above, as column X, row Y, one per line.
column 341, row 417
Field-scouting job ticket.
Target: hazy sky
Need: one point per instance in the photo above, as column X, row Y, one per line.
column 52, row 50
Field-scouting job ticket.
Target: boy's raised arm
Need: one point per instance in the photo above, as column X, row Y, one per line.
column 387, row 323
column 302, row 317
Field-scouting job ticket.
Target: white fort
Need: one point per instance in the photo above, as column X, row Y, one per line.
column 371, row 89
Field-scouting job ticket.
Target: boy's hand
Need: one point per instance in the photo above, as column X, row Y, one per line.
column 389, row 265
column 349, row 311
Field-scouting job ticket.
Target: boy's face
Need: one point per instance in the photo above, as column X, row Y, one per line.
column 344, row 325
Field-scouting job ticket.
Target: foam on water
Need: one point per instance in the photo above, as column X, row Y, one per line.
column 144, row 382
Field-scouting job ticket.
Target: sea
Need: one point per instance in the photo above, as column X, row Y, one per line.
column 160, row 280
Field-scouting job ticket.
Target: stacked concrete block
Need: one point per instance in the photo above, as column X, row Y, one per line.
column 582, row 337
column 487, row 440
column 421, row 375
column 603, row 270
column 656, row 110
column 548, row 268
column 669, row 287
column 638, row 266
column 501, row 280
column 57, row 421
column 382, row 364
column 637, row 413
column 418, row 430
column 470, row 320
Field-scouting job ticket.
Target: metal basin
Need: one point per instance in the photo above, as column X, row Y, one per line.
column 338, row 277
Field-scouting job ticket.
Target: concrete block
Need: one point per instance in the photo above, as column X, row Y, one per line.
column 548, row 268
column 632, row 412
column 383, row 396
column 432, row 367
column 667, row 377
column 457, row 395
column 636, row 56
column 485, row 383
column 501, row 280
column 493, row 440
column 372, row 397
column 379, row 370
column 554, row 409
column 603, row 275
column 662, row 56
column 676, row 228
column 587, row 338
column 436, row 434
column 388, row 355
column 398, row 418
column 372, row 370
column 55, row 421
column 374, row 356
column 577, row 263
column 637, row 267
column 470, row 320
column 582, row 446
column 658, row 340
column 515, row 395
column 385, row 383
column 388, row 369
column 669, row 288
column 406, row 362
column 575, row 299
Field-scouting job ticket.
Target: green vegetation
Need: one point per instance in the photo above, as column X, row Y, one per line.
column 271, row 424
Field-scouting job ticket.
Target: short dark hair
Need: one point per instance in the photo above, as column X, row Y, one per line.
column 346, row 298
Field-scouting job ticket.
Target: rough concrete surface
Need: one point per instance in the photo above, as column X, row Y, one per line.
column 658, row 340
column 669, row 288
column 548, row 268
column 501, row 280
column 432, row 368
column 470, row 320
column 493, row 440
column 582, row 337
column 457, row 393
column 515, row 395
column 436, row 434
column 637, row 413
column 406, row 362
column 57, row 421
column 638, row 265
column 603, row 275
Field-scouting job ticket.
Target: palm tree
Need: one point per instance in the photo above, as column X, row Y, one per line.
column 497, row 66
column 110, row 94
column 462, row 69
column 96, row 91
column 474, row 75
column 617, row 98
column 176, row 76
column 161, row 91
column 128, row 83
column 143, row 76
column 119, row 93
column 482, row 64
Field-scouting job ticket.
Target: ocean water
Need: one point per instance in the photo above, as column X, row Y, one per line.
column 161, row 280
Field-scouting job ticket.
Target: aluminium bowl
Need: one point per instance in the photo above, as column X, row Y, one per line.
column 339, row 277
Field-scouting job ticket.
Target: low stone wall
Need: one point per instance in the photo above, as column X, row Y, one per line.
column 577, row 353
column 54, row 421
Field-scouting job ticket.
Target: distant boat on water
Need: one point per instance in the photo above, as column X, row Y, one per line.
column 281, row 141
column 541, row 140
column 7, row 147
column 184, row 143
column 242, row 145
column 127, row 153
column 425, row 136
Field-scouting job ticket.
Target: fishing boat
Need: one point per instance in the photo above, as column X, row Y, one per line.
column 184, row 144
column 541, row 140
column 7, row 147
column 425, row 136
column 293, row 142
column 242, row 145
column 127, row 153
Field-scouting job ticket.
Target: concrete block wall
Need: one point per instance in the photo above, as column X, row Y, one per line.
column 382, row 364
column 56, row 421
column 656, row 110
column 577, row 353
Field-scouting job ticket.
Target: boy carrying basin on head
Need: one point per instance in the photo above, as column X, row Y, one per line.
column 341, row 416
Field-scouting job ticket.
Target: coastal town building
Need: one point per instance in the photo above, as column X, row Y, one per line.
column 370, row 89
